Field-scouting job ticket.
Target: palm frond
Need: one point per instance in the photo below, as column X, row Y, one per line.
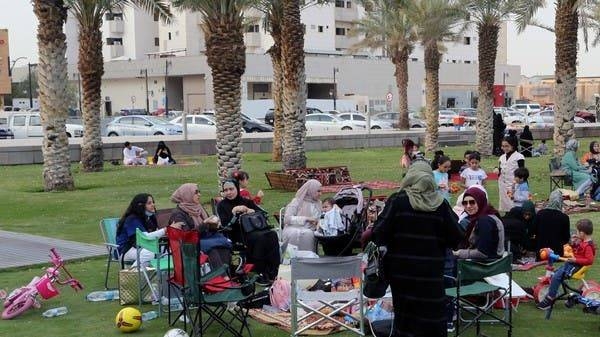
column 525, row 11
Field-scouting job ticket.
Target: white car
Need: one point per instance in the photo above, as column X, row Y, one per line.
column 326, row 122
column 528, row 109
column 445, row 117
column 27, row 124
column 547, row 116
column 515, row 117
column 360, row 120
column 197, row 124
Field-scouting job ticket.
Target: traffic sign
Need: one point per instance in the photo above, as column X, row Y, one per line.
column 389, row 97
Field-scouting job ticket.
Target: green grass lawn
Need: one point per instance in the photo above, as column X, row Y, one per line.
column 75, row 216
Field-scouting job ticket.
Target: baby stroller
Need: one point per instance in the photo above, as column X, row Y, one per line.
column 353, row 205
column 595, row 175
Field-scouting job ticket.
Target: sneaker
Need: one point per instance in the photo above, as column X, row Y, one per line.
column 450, row 327
column 546, row 304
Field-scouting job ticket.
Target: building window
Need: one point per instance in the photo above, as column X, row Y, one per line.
column 467, row 40
column 114, row 41
column 156, row 42
column 320, row 29
column 113, row 16
column 467, row 62
column 414, row 59
column 156, row 16
column 348, row 4
column 340, row 31
column 339, row 3
column 169, row 36
column 252, row 29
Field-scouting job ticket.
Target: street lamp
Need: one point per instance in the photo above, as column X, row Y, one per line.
column 504, row 76
column 78, row 90
column 335, row 70
column 167, row 64
column 145, row 73
column 29, row 65
column 13, row 64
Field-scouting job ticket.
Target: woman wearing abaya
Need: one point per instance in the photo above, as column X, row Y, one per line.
column 499, row 128
column 302, row 216
column 519, row 229
column 262, row 246
column 526, row 142
column 552, row 225
column 417, row 225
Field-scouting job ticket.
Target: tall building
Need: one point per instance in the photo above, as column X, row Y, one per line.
column 5, row 87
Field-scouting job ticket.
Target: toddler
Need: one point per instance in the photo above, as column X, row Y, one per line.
column 520, row 190
column 331, row 219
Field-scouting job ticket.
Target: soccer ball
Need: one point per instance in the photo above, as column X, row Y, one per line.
column 176, row 333
column 128, row 319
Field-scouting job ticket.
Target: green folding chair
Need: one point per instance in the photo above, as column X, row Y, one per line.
column 160, row 263
column 470, row 284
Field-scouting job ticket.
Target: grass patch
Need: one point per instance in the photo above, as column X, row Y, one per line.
column 75, row 216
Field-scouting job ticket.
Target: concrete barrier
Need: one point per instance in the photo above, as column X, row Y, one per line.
column 28, row 151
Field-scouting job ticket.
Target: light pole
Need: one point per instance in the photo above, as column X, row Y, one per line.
column 335, row 70
column 167, row 64
column 13, row 64
column 29, row 65
column 504, row 76
column 79, row 91
column 145, row 73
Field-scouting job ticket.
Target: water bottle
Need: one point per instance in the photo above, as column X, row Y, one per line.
column 175, row 303
column 148, row 316
column 107, row 295
column 55, row 312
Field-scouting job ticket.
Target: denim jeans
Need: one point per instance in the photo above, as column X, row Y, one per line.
column 562, row 273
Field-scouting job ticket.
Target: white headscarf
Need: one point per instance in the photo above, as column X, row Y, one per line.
column 307, row 198
column 572, row 145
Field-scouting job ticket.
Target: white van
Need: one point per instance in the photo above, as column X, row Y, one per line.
column 26, row 124
column 528, row 109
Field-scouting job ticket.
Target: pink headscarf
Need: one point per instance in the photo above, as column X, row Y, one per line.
column 184, row 198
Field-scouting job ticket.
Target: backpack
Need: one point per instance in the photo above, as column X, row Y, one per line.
column 280, row 294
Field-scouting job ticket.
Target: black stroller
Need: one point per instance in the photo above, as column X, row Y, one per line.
column 354, row 205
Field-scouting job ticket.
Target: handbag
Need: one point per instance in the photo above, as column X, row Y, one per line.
column 129, row 286
column 253, row 222
column 375, row 284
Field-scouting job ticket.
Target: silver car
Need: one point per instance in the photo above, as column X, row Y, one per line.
column 138, row 125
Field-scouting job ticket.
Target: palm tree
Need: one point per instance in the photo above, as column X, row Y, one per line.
column 223, row 23
column 386, row 25
column 436, row 21
column 294, row 86
column 488, row 15
column 52, row 80
column 89, row 15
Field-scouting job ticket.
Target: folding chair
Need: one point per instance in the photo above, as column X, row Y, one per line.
column 108, row 228
column 470, row 284
column 160, row 263
column 558, row 176
column 337, row 302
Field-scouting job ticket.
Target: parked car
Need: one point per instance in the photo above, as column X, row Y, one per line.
column 587, row 115
column 269, row 116
column 11, row 108
column 25, row 124
column 360, row 120
column 528, row 109
column 326, row 122
column 414, row 121
column 141, row 125
column 129, row 112
column 197, row 124
column 515, row 117
column 547, row 116
column 254, row 125
column 5, row 132
column 445, row 117
column 503, row 110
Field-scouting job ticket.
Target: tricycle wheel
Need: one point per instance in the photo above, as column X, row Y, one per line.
column 17, row 308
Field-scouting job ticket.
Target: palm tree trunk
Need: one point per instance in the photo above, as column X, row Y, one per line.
column 226, row 56
column 400, row 60
column 294, row 86
column 277, row 91
column 91, row 68
column 566, row 26
column 432, row 95
column 52, row 80
column 488, row 47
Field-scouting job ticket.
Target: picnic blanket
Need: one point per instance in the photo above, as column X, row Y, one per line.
column 282, row 320
column 374, row 185
column 573, row 206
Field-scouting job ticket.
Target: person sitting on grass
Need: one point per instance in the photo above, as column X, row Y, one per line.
column 162, row 155
column 541, row 149
column 133, row 155
column 583, row 255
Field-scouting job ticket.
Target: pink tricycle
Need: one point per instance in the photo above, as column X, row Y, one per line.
column 21, row 299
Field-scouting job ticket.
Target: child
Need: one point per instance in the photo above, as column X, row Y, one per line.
column 473, row 175
column 466, row 161
column 331, row 219
column 242, row 177
column 411, row 150
column 440, row 166
column 583, row 255
column 520, row 190
column 541, row 149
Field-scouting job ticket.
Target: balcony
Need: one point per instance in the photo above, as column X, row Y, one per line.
column 116, row 26
column 346, row 14
column 116, row 50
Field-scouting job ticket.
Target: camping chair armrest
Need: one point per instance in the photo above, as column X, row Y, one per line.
column 453, row 278
column 111, row 245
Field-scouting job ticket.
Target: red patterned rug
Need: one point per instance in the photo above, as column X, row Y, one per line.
column 374, row 185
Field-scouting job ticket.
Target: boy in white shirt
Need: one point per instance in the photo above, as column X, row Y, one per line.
column 133, row 155
column 474, row 174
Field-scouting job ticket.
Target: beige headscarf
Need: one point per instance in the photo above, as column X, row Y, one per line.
column 184, row 198
column 419, row 185
column 308, row 196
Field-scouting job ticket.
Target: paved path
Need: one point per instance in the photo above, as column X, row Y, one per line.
column 18, row 249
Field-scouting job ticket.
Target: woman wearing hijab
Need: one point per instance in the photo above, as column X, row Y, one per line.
column 302, row 216
column 417, row 225
column 509, row 162
column 519, row 229
column 190, row 213
column 582, row 179
column 526, row 142
column 552, row 226
column 592, row 157
column 162, row 155
column 485, row 230
column 261, row 246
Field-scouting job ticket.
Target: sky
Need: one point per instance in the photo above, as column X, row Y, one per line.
column 533, row 49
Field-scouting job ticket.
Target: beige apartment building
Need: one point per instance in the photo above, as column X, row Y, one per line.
column 541, row 89
column 5, row 86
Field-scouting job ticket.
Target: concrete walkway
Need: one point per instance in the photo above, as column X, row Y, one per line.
column 18, row 249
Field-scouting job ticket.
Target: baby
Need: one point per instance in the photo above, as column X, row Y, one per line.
column 331, row 219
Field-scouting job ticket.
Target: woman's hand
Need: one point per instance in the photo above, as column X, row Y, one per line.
column 312, row 222
column 241, row 209
column 178, row 225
